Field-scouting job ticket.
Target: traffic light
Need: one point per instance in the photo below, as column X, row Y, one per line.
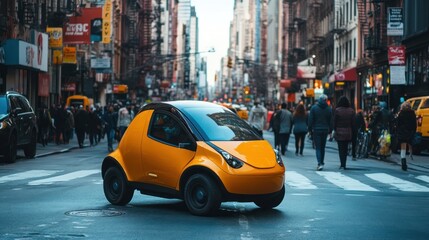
column 229, row 65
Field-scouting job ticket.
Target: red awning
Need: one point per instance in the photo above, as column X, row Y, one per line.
column 349, row 74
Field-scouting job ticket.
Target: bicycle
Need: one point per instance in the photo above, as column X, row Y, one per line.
column 362, row 143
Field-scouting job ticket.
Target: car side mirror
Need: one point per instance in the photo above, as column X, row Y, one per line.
column 188, row 145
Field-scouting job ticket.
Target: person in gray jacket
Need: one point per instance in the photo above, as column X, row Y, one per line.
column 285, row 119
column 320, row 126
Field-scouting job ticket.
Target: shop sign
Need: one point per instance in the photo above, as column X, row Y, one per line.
column 69, row 55
column 20, row 53
column 57, row 56
column 69, row 87
column 41, row 40
column 397, row 75
column 395, row 25
column 396, row 55
column 43, row 85
column 107, row 21
column 78, row 29
column 55, row 37
column 306, row 72
column 100, row 62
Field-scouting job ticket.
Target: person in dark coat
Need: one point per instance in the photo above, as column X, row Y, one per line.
column 344, row 118
column 299, row 122
column 407, row 121
column 320, row 126
column 60, row 120
column 81, row 124
column 94, row 125
column 110, row 119
column 275, row 126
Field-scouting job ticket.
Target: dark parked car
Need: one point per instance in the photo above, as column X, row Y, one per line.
column 18, row 127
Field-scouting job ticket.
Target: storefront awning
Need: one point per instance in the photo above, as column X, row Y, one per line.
column 347, row 75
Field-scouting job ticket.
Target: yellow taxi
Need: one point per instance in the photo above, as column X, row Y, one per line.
column 196, row 151
column 241, row 111
column 421, row 107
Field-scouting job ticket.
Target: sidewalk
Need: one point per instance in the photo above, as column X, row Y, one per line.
column 419, row 161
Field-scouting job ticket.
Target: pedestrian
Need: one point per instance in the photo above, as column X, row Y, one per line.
column 125, row 115
column 285, row 118
column 44, row 122
column 69, row 125
column 258, row 117
column 110, row 119
column 60, row 118
column 320, row 126
column 275, row 126
column 81, row 124
column 94, row 124
column 407, row 121
column 300, row 128
column 344, row 118
column 359, row 127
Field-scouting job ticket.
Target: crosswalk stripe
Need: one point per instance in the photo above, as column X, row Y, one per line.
column 398, row 183
column 345, row 182
column 64, row 178
column 423, row 178
column 297, row 180
column 26, row 175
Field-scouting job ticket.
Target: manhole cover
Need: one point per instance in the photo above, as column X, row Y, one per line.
column 95, row 213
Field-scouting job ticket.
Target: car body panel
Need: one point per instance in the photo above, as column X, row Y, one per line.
column 421, row 106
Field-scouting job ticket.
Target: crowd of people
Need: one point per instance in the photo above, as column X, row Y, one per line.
column 322, row 122
column 59, row 123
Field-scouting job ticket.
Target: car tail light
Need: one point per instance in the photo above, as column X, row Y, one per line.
column 419, row 120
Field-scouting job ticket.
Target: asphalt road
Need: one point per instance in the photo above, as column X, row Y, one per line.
column 61, row 197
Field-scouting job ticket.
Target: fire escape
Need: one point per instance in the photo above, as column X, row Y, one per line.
column 131, row 44
column 375, row 38
column 316, row 38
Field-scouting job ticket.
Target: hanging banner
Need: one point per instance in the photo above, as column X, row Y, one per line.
column 43, row 85
column 41, row 40
column 107, row 21
column 396, row 55
column 55, row 37
column 78, row 29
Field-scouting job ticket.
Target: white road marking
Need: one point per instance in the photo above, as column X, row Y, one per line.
column 26, row 175
column 398, row 183
column 345, row 182
column 64, row 178
column 423, row 178
column 299, row 181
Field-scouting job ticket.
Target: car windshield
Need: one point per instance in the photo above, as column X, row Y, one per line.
column 217, row 124
column 3, row 106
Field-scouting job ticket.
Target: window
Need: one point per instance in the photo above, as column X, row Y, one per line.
column 347, row 11
column 355, row 7
column 354, row 48
column 425, row 104
column 350, row 49
column 416, row 104
column 166, row 128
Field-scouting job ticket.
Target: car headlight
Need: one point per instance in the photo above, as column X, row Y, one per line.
column 231, row 160
column 278, row 157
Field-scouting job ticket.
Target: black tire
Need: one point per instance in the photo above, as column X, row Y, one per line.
column 273, row 201
column 116, row 188
column 202, row 195
column 30, row 149
column 10, row 151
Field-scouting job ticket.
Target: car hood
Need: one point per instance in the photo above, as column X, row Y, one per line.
column 259, row 154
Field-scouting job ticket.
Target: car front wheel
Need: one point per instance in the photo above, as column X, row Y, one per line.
column 116, row 187
column 272, row 201
column 202, row 195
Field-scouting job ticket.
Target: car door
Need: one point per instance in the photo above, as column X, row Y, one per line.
column 26, row 118
column 166, row 150
column 17, row 117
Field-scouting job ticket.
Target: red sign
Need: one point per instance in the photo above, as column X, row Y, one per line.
column 43, row 86
column 78, row 29
column 69, row 87
column 396, row 55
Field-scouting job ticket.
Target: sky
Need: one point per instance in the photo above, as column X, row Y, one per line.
column 214, row 18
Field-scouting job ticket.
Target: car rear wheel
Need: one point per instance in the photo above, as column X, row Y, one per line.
column 272, row 202
column 202, row 195
column 116, row 188
column 10, row 151
column 30, row 149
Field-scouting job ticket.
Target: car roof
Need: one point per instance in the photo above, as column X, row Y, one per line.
column 181, row 104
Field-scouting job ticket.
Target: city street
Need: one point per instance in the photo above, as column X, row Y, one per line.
column 59, row 195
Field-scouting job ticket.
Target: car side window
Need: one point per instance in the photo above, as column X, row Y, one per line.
column 425, row 104
column 416, row 104
column 166, row 128
column 14, row 103
column 24, row 104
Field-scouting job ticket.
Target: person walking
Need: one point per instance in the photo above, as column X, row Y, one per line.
column 275, row 126
column 258, row 117
column 110, row 118
column 81, row 124
column 69, row 125
column 60, row 120
column 320, row 126
column 125, row 115
column 44, row 122
column 285, row 118
column 344, row 118
column 300, row 128
column 94, row 125
column 407, row 121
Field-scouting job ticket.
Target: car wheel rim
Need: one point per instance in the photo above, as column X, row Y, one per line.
column 115, row 187
column 200, row 196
